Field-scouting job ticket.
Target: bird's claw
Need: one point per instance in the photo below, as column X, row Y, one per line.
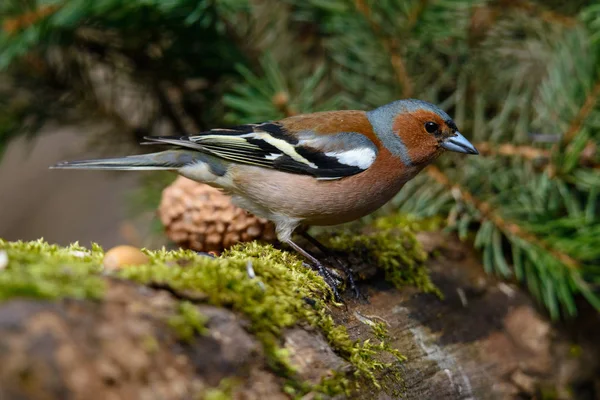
column 328, row 278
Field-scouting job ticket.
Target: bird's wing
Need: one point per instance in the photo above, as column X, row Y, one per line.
column 331, row 155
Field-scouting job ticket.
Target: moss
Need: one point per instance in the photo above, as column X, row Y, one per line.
column 40, row 270
column 274, row 301
column 408, row 221
column 188, row 322
column 216, row 394
column 390, row 244
column 380, row 330
column 337, row 383
column 222, row 392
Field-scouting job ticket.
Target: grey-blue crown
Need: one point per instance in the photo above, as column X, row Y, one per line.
column 411, row 105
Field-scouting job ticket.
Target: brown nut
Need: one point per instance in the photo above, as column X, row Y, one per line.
column 124, row 256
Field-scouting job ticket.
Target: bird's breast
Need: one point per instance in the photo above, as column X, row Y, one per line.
column 322, row 202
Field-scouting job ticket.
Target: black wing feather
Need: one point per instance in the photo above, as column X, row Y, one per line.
column 270, row 145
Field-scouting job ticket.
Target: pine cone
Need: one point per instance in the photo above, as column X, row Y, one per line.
column 202, row 218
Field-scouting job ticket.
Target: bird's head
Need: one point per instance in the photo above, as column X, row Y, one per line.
column 424, row 130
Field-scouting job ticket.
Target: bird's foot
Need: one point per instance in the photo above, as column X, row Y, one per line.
column 350, row 276
column 327, row 274
column 328, row 277
column 340, row 265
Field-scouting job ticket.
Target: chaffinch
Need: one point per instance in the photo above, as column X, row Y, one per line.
column 324, row 168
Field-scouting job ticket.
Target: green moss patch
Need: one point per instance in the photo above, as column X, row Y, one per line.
column 283, row 294
column 40, row 270
column 188, row 321
column 278, row 298
column 390, row 243
column 407, row 221
column 222, row 392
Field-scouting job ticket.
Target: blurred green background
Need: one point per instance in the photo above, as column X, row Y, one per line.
column 84, row 78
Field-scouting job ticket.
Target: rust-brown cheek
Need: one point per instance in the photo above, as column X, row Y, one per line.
column 422, row 147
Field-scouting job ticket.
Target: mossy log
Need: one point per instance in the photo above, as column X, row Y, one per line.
column 185, row 328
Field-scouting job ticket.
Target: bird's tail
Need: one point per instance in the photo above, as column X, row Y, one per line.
column 165, row 160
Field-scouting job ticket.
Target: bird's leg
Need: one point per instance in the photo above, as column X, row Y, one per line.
column 328, row 253
column 318, row 266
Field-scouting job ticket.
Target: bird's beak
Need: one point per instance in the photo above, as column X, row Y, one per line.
column 459, row 143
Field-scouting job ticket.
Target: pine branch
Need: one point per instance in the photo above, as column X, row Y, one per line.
column 511, row 150
column 540, row 156
column 488, row 212
column 546, row 15
column 391, row 44
column 281, row 100
column 575, row 128
column 584, row 112
column 29, row 18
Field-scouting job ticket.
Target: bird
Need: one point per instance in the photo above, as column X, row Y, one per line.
column 318, row 169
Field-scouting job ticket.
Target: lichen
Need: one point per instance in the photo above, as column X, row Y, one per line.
column 390, row 244
column 40, row 270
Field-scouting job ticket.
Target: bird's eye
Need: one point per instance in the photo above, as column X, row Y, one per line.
column 431, row 127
